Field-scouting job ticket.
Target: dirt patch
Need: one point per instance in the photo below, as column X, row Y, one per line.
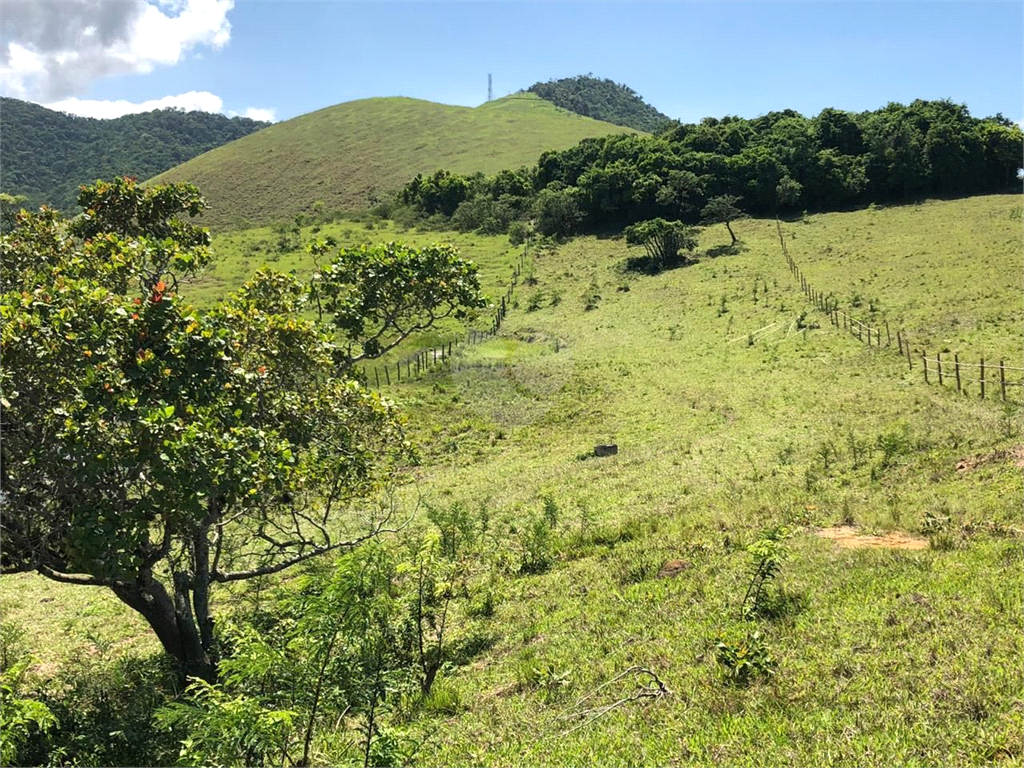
column 674, row 568
column 850, row 537
column 1015, row 454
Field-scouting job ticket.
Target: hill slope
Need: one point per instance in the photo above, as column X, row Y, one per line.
column 346, row 154
column 46, row 155
column 602, row 100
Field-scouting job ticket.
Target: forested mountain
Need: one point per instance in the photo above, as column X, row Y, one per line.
column 45, row 155
column 602, row 100
column 781, row 161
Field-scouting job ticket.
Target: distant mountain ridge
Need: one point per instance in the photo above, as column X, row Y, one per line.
column 46, row 155
column 602, row 99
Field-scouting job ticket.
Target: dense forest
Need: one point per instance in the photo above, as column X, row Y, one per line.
column 779, row 162
column 602, row 100
column 47, row 155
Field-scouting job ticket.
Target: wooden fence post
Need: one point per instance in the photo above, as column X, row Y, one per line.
column 387, row 374
column 899, row 341
column 910, row 361
column 938, row 365
column 398, row 367
column 376, row 375
column 924, row 361
column 888, row 336
column 956, row 365
column 983, row 378
column 1002, row 380
column 408, row 368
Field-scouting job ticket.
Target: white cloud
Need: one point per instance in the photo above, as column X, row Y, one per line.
column 255, row 113
column 54, row 49
column 203, row 101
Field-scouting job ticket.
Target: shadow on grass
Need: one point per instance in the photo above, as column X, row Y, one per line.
column 647, row 265
column 725, row 250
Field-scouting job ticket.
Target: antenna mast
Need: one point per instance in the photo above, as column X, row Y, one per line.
column 490, row 91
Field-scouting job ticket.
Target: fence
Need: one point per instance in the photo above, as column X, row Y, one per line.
column 829, row 305
column 421, row 361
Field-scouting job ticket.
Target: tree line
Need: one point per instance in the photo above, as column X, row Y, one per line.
column 777, row 163
column 47, row 155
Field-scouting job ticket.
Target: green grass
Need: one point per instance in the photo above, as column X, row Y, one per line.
column 885, row 657
column 345, row 154
column 900, row 264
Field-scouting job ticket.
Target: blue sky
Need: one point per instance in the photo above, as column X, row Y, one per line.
column 688, row 59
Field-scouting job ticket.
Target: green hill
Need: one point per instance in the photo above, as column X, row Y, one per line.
column 48, row 154
column 346, row 154
column 602, row 100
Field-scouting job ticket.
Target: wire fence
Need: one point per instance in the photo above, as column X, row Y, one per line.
column 990, row 376
column 420, row 362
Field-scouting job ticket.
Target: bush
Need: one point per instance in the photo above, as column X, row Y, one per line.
column 744, row 658
column 103, row 714
column 519, row 232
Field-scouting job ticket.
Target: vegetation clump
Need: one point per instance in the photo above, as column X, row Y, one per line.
column 602, row 99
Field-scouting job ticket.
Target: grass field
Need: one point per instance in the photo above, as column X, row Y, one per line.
column 883, row 655
column 345, row 154
column 896, row 264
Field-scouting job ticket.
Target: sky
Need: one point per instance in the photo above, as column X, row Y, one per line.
column 277, row 59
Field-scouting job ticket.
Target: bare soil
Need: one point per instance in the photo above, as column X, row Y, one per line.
column 1015, row 454
column 850, row 537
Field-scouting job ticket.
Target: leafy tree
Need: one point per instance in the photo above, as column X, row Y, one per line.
column 155, row 449
column 376, row 296
column 9, row 206
column 557, row 211
column 787, row 192
column 723, row 210
column 663, row 240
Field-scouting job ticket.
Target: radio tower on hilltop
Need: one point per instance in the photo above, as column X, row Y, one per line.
column 489, row 90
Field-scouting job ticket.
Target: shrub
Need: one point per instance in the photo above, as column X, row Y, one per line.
column 744, row 658
column 519, row 232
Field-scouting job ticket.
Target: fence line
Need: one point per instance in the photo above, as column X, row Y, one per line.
column 829, row 305
column 419, row 362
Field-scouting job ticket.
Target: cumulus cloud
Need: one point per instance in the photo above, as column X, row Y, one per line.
column 203, row 101
column 255, row 113
column 54, row 49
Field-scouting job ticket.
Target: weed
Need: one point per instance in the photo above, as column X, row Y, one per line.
column 744, row 657
column 536, row 543
column 768, row 553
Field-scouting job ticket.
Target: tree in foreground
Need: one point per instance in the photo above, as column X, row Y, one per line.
column 663, row 241
column 723, row 210
column 155, row 449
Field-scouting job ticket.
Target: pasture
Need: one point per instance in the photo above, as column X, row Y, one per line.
column 737, row 409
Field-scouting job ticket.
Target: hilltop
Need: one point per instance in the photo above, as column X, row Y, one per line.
column 602, row 100
column 348, row 154
column 48, row 154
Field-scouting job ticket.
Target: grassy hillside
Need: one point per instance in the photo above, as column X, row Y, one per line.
column 47, row 155
column 346, row 154
column 883, row 655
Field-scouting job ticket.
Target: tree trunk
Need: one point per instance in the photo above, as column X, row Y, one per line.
column 173, row 622
column 731, row 234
